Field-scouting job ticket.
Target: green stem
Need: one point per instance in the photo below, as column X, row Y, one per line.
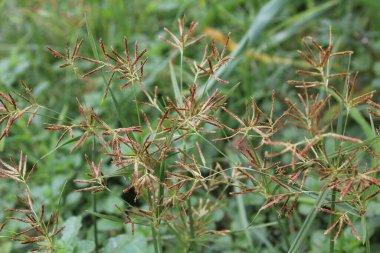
column 94, row 205
column 181, row 72
column 155, row 233
column 136, row 103
column 161, row 189
column 122, row 120
column 307, row 224
column 216, row 148
column 157, row 247
column 332, row 220
column 193, row 244
column 367, row 242
column 95, row 224
column 283, row 231
column 243, row 217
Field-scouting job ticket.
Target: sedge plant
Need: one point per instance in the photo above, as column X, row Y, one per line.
column 163, row 156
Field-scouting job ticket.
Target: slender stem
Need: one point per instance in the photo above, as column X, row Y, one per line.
column 157, row 248
column 94, row 209
column 136, row 103
column 205, row 88
column 307, row 224
column 181, row 72
column 122, row 120
column 367, row 242
column 41, row 223
column 332, row 220
column 216, row 148
column 196, row 77
column 193, row 244
column 283, row 231
column 161, row 189
column 95, row 224
column 153, row 223
column 243, row 217
column 53, row 111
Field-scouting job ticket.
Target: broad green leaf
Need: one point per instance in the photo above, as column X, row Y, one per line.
column 127, row 243
column 263, row 18
column 72, row 226
column 84, row 246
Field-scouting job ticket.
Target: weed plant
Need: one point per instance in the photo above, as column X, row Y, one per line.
column 159, row 156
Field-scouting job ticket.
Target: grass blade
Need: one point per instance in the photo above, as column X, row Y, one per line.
column 293, row 24
column 358, row 117
column 263, row 19
column 96, row 54
column 106, row 216
column 307, row 224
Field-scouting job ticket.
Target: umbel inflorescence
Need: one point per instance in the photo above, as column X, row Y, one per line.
column 163, row 155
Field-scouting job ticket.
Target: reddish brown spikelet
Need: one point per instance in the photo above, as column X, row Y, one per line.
column 93, row 71
column 184, row 39
column 373, row 104
column 277, row 199
column 80, row 141
column 57, row 54
column 342, row 137
column 303, row 55
column 279, row 183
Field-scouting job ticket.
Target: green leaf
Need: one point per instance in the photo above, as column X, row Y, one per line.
column 127, row 243
column 263, row 18
column 358, row 117
column 6, row 247
column 84, row 246
column 295, row 23
column 108, row 225
column 72, row 226
column 364, row 229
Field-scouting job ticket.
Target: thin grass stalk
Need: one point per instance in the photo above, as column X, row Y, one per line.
column 42, row 224
column 332, row 221
column 177, row 92
column 206, row 87
column 307, row 224
column 136, row 103
column 344, row 92
column 122, row 120
column 155, row 233
column 193, row 243
column 216, row 148
column 243, row 218
column 157, row 248
column 95, row 224
column 181, row 72
column 94, row 204
column 161, row 189
column 283, row 231
column 95, row 52
column 367, row 242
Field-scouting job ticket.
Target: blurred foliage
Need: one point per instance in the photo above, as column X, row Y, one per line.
column 268, row 59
